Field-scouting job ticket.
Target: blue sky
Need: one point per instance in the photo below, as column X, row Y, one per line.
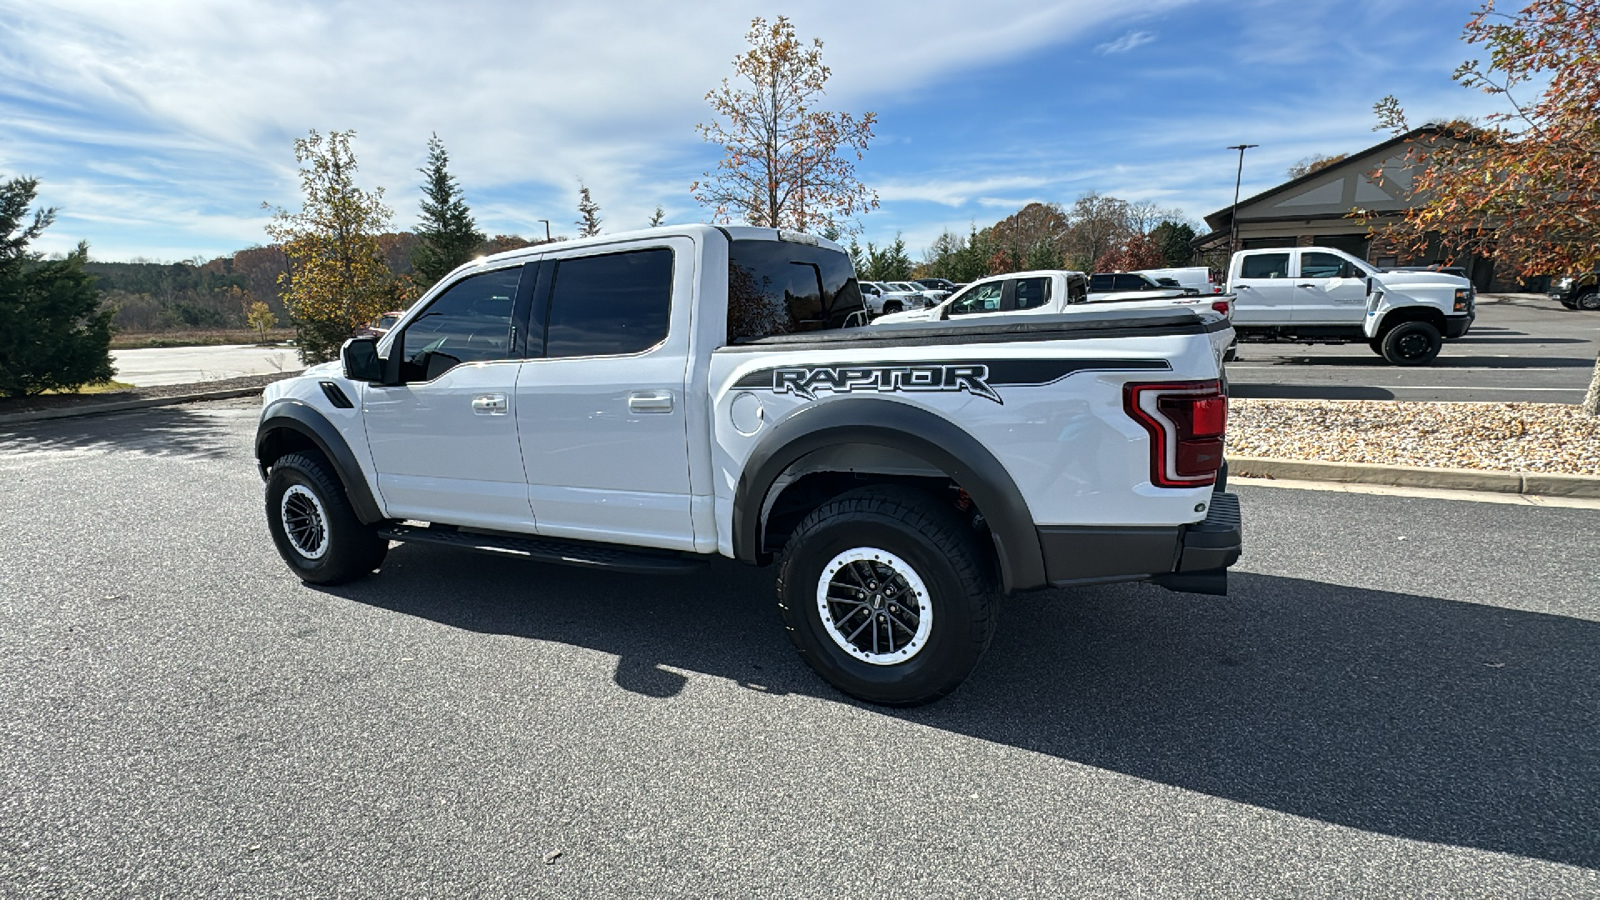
column 160, row 128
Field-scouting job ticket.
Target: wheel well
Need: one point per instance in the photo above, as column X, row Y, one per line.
column 280, row 442
column 1411, row 314
column 818, row 477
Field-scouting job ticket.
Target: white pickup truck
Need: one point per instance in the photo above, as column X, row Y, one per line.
column 1318, row 295
column 647, row 401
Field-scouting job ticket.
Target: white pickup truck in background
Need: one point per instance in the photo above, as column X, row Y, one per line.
column 1054, row 291
column 1318, row 295
column 647, row 401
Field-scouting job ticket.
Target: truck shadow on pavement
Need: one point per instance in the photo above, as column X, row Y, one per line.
column 1411, row 716
column 164, row 431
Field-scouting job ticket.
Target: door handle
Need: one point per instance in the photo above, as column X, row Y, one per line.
column 1243, row 287
column 650, row 402
column 1305, row 285
column 489, row 405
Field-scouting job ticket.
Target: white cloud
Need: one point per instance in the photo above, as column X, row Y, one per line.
column 202, row 98
column 1127, row 42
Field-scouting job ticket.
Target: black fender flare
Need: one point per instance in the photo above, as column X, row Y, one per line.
column 926, row 435
column 305, row 420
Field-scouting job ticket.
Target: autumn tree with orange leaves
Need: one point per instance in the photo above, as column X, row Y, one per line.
column 785, row 163
column 1525, row 187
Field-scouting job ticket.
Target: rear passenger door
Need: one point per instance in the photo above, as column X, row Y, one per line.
column 1264, row 291
column 601, row 403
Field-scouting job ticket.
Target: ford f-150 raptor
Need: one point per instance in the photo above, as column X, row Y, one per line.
column 645, row 401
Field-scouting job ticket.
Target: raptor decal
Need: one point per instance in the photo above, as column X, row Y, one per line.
column 978, row 378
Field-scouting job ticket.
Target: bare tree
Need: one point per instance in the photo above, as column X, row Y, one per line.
column 785, row 164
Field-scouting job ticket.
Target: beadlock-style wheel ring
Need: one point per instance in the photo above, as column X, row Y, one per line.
column 874, row 606
column 305, row 522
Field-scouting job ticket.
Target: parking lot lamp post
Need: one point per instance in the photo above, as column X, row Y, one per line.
column 547, row 228
column 1233, row 217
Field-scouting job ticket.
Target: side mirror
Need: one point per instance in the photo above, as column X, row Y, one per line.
column 1349, row 270
column 361, row 362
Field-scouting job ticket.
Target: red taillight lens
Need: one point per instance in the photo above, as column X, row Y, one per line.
column 1221, row 306
column 1187, row 422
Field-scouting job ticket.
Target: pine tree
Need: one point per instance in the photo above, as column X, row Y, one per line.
column 588, row 214
column 53, row 333
column 657, row 220
column 449, row 235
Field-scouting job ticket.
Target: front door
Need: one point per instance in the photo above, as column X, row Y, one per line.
column 602, row 410
column 444, row 443
column 1323, row 296
column 1264, row 293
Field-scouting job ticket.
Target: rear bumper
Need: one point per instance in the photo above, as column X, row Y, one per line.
column 1191, row 557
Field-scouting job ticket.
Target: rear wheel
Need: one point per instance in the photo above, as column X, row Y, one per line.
column 314, row 526
column 886, row 594
column 1412, row 344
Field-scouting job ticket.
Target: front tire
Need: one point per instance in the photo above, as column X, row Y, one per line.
column 893, row 306
column 314, row 526
column 1412, row 344
column 1589, row 301
column 886, row 594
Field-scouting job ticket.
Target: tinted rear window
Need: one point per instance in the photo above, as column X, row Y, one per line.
column 778, row 287
column 1265, row 265
column 1100, row 283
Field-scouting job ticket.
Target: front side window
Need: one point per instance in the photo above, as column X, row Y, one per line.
column 469, row 322
column 1265, row 265
column 980, row 298
column 1032, row 293
column 610, row 305
column 1320, row 265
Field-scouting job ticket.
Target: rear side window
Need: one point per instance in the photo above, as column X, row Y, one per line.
column 610, row 305
column 783, row 287
column 1130, row 283
column 1032, row 293
column 1101, row 284
column 1265, row 265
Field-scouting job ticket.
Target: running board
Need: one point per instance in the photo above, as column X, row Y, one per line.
column 551, row 550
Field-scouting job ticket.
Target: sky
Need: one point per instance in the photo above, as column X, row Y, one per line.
column 163, row 129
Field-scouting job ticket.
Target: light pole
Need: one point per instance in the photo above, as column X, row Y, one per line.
column 547, row 222
column 1233, row 217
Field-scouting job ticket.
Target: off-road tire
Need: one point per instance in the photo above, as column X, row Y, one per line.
column 1412, row 344
column 939, row 546
column 348, row 549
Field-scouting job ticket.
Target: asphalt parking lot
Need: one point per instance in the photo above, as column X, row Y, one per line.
column 1522, row 347
column 1400, row 697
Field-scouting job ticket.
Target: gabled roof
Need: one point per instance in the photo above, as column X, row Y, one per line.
column 1219, row 220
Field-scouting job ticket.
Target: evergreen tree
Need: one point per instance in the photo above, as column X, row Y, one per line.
column 449, row 235
column 658, row 219
column 53, row 333
column 588, row 214
column 1172, row 238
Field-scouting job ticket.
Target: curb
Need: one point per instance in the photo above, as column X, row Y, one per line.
column 125, row 405
column 1413, row 476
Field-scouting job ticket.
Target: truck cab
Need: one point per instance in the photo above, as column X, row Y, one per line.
column 1322, row 295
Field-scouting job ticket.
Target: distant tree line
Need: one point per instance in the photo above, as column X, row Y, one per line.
column 1097, row 233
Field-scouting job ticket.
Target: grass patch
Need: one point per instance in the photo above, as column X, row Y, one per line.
column 104, row 387
column 198, row 338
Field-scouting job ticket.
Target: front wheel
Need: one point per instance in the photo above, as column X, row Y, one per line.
column 1589, row 301
column 886, row 594
column 893, row 306
column 314, row 526
column 1412, row 344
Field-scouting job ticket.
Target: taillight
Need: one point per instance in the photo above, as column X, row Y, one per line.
column 1222, row 306
column 1187, row 421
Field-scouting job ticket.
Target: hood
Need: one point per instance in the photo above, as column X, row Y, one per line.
column 910, row 315
column 1421, row 279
